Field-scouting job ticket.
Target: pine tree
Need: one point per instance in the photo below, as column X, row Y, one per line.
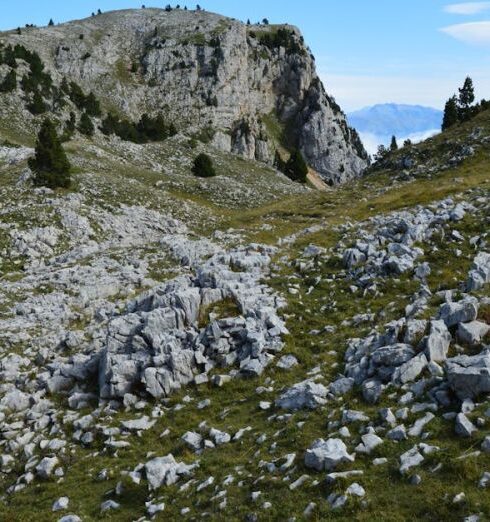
column 9, row 83
column 394, row 144
column 451, row 113
column 279, row 163
column 466, row 94
column 92, row 105
column 9, row 57
column 37, row 105
column 381, row 154
column 64, row 87
column 296, row 168
column 51, row 23
column 203, row 167
column 50, row 165
column 71, row 123
column 70, row 126
column 86, row 126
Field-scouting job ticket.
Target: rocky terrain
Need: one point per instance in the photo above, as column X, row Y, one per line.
column 242, row 347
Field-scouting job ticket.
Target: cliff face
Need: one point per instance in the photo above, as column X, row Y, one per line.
column 253, row 89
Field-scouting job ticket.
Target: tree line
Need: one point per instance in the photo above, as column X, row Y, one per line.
column 462, row 107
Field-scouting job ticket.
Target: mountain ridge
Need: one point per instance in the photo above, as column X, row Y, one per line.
column 195, row 66
column 401, row 120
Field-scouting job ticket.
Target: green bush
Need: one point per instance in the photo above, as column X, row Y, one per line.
column 280, row 38
column 50, row 165
column 146, row 130
column 203, row 167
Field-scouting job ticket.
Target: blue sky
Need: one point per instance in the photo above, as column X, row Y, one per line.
column 367, row 51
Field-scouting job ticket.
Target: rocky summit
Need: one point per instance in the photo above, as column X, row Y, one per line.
column 187, row 330
column 249, row 88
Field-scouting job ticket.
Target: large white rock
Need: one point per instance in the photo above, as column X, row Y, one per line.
column 166, row 471
column 327, row 454
column 469, row 376
column 306, row 394
column 437, row 342
column 462, row 312
column 472, row 333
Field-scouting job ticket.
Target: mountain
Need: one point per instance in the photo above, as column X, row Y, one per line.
column 378, row 123
column 250, row 89
column 239, row 347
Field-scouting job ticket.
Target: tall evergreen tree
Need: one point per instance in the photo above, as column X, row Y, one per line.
column 296, row 168
column 279, row 163
column 467, row 94
column 50, row 165
column 9, row 83
column 51, row 23
column 381, row 153
column 92, row 105
column 37, row 105
column 86, row 126
column 451, row 113
column 394, row 144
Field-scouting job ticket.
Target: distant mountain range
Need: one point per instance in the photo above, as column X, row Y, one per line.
column 378, row 123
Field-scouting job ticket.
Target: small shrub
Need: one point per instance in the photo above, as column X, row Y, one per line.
column 203, row 167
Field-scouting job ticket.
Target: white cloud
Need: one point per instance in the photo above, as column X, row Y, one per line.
column 358, row 91
column 371, row 142
column 355, row 92
column 469, row 8
column 475, row 33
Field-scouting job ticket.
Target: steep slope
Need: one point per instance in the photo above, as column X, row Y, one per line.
column 252, row 89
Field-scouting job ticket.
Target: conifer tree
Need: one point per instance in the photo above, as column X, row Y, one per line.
column 92, row 105
column 51, row 23
column 50, row 165
column 394, row 144
column 37, row 106
column 296, row 168
column 86, row 126
column 279, row 163
column 466, row 94
column 9, row 83
column 381, row 153
column 203, row 167
column 451, row 113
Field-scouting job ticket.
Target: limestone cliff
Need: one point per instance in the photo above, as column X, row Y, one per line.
column 252, row 89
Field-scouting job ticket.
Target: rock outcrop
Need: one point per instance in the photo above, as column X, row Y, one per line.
column 241, row 85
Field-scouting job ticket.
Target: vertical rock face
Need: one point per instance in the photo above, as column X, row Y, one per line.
column 249, row 89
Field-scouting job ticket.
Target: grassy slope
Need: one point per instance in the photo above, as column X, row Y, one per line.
column 390, row 496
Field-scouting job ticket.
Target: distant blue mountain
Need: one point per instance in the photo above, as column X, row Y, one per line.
column 391, row 119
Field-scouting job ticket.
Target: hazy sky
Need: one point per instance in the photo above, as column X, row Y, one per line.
column 367, row 51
